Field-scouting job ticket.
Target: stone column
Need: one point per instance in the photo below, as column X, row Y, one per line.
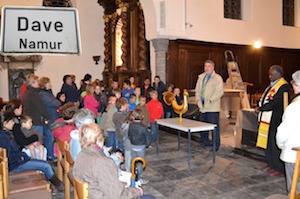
column 161, row 48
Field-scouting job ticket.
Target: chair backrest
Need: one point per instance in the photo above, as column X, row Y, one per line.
column 3, row 152
column 81, row 188
column 68, row 156
column 296, row 175
column 1, row 188
column 4, row 173
column 61, row 150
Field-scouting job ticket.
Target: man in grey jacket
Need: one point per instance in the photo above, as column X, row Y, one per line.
column 209, row 90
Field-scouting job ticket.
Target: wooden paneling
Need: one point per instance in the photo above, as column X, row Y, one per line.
column 186, row 58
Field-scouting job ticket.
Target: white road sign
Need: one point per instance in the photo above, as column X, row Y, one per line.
column 39, row 31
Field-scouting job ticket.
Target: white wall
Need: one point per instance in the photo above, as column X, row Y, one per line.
column 263, row 21
column 92, row 39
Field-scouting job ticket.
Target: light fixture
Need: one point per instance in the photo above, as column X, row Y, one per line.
column 96, row 58
column 257, row 44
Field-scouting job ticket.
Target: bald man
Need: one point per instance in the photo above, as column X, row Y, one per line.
column 270, row 109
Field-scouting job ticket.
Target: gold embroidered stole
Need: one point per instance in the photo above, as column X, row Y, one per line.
column 265, row 116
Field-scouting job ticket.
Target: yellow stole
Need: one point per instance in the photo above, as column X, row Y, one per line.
column 265, row 116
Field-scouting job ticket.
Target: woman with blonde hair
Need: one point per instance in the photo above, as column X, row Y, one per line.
column 103, row 180
column 48, row 98
column 90, row 101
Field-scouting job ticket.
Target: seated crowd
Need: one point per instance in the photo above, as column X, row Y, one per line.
column 103, row 128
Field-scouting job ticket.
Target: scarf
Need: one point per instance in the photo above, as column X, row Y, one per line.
column 265, row 116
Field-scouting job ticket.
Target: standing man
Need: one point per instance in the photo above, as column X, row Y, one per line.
column 209, row 90
column 270, row 109
column 160, row 87
column 36, row 109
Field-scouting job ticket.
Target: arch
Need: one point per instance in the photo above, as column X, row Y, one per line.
column 150, row 16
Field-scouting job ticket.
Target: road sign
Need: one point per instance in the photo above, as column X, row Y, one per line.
column 39, row 31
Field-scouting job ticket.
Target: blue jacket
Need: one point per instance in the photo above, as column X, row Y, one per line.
column 15, row 156
column 51, row 103
column 126, row 93
column 72, row 94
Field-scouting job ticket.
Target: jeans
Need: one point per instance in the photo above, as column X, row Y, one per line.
column 154, row 130
column 214, row 118
column 141, row 154
column 127, row 160
column 168, row 114
column 120, row 145
column 111, row 139
column 147, row 197
column 49, row 140
column 34, row 164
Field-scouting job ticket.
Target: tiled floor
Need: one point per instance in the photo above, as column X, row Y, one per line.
column 232, row 177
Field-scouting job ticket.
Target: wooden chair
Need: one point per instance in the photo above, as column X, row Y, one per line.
column 296, row 176
column 1, row 188
column 68, row 168
column 81, row 189
column 60, row 161
column 21, row 182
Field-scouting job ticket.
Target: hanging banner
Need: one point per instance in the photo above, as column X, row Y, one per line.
column 39, row 31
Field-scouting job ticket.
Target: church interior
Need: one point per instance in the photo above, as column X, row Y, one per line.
column 173, row 40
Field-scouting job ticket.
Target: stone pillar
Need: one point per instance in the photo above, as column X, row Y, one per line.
column 161, row 48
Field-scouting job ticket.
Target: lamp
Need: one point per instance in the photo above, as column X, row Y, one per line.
column 96, row 58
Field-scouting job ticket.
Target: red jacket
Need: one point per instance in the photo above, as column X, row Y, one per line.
column 155, row 109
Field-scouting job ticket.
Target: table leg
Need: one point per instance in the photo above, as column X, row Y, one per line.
column 157, row 141
column 214, row 144
column 189, row 151
column 179, row 134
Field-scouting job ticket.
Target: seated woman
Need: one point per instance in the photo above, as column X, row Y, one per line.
column 15, row 106
column 103, row 180
column 63, row 126
column 18, row 161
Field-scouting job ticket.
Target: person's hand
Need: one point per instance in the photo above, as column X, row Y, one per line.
column 70, row 121
column 76, row 104
column 256, row 109
column 120, row 156
column 36, row 143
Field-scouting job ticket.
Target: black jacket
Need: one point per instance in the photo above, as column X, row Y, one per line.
column 137, row 133
column 15, row 157
column 20, row 138
column 34, row 107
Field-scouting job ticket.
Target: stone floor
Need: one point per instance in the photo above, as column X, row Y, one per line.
column 232, row 177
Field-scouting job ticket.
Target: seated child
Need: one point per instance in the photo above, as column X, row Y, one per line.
column 27, row 130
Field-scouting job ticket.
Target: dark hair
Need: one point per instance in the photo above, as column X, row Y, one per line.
column 121, row 102
column 132, row 95
column 68, row 110
column 60, row 94
column 24, row 118
column 66, row 77
column 127, row 82
column 87, row 77
column 4, row 117
column 12, row 105
column 157, row 77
